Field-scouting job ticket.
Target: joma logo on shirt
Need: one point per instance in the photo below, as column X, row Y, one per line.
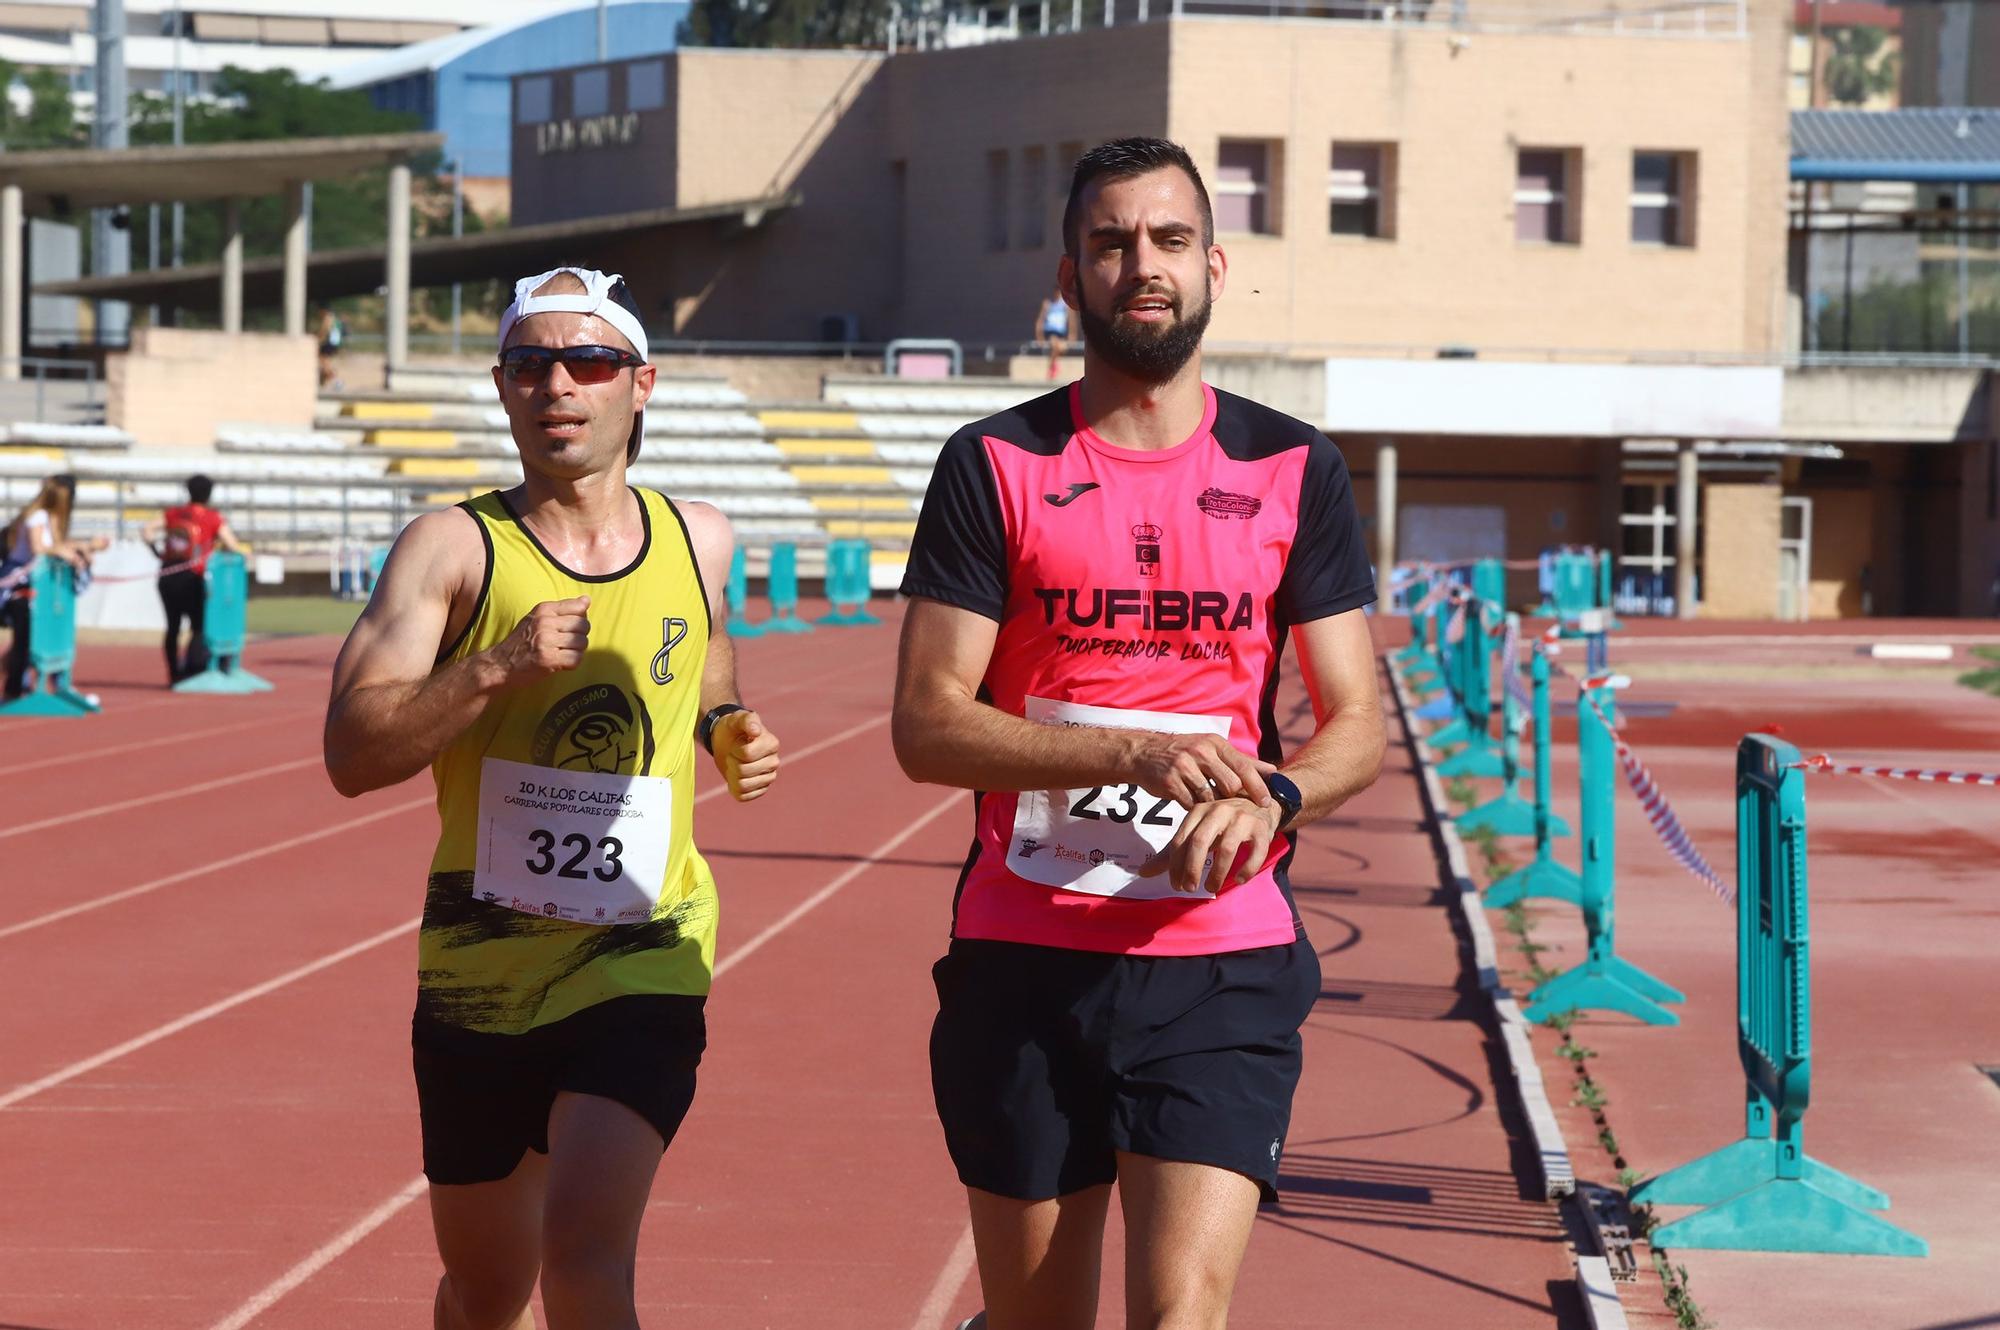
column 1164, row 610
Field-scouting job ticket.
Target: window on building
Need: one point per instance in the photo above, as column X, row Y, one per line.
column 1661, row 198
column 646, row 85
column 532, row 100
column 999, row 200
column 1360, row 190
column 1243, row 180
column 590, row 92
column 1545, row 184
column 1034, row 198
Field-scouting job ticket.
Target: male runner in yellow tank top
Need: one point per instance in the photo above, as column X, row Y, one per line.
column 553, row 653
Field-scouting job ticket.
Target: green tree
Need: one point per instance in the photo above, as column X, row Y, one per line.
column 786, row 23
column 1857, row 66
column 50, row 120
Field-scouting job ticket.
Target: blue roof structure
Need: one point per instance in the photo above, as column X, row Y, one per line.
column 459, row 84
column 1930, row 144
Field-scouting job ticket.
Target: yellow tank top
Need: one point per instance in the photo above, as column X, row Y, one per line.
column 561, row 787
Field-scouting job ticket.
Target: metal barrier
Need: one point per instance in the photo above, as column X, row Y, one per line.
column 1507, row 813
column 52, row 644
column 1542, row 878
column 847, row 587
column 1764, row 1193
column 224, row 629
column 782, row 588
column 1605, row 981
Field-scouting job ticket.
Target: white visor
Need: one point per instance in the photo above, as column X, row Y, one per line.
column 596, row 300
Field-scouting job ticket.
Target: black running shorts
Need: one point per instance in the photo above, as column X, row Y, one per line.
column 1045, row 1062
column 485, row 1098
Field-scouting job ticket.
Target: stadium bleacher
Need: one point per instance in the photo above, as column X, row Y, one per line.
column 853, row 464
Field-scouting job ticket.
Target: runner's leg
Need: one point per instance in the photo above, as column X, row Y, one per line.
column 175, row 613
column 602, row 1157
column 1039, row 1261
column 1186, row 1228
column 490, row 1237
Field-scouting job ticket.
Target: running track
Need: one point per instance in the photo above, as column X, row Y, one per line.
column 206, row 957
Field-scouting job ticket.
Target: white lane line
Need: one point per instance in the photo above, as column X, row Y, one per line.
column 383, row 1213
column 77, row 816
column 884, row 850
column 950, row 1280
column 324, row 1257
column 112, row 898
column 196, row 1017
column 276, row 847
column 202, row 735
column 803, row 754
column 8, row 726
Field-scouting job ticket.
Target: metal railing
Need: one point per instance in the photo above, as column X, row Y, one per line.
column 40, row 369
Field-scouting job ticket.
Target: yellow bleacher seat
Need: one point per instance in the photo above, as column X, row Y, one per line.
column 826, row 447
column 809, row 420
column 445, row 498
column 26, row 450
column 868, row 503
column 817, row 477
column 386, row 410
column 435, row 466
column 887, row 530
column 441, row 439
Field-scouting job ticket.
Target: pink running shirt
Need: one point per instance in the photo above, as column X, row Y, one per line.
column 1161, row 583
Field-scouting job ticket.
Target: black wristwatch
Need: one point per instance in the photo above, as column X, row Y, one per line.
column 1287, row 794
column 704, row 729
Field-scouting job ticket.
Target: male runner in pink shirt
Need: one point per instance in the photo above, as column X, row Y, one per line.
column 1102, row 583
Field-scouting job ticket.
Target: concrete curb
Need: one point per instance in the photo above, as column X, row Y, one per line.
column 1593, row 1272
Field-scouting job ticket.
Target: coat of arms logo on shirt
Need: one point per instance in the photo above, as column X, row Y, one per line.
column 1220, row 503
column 1146, row 548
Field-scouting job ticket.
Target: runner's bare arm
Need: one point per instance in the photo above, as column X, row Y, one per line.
column 744, row 748
column 391, row 713
column 1343, row 757
column 945, row 735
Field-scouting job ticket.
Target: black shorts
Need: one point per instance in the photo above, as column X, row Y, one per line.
column 485, row 1098
column 1046, row 1061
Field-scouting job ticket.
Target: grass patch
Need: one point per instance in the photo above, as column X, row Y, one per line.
column 286, row 616
column 1986, row 680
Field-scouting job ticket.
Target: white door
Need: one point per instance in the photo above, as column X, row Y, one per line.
column 1794, row 559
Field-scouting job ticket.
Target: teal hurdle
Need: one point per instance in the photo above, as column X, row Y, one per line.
column 1430, row 672
column 224, row 628
column 1605, row 981
column 1461, row 661
column 1480, row 757
column 1420, row 655
column 736, row 594
column 51, row 644
column 782, row 589
column 1764, row 1192
column 1543, row 878
column 847, row 588
column 1507, row 813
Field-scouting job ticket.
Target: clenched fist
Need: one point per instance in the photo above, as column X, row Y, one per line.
column 551, row 638
column 746, row 753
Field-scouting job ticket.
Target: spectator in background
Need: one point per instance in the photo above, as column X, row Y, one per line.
column 332, row 334
column 184, row 537
column 1052, row 326
column 40, row 528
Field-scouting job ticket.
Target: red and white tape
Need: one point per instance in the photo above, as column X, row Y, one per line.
column 1826, row 766
column 1660, row 814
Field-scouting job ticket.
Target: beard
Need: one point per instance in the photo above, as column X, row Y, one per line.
column 1143, row 352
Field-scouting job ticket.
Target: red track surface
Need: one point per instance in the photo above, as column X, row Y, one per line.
column 1905, row 920
column 205, row 1089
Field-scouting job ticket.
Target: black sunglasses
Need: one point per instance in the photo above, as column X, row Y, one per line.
column 585, row 364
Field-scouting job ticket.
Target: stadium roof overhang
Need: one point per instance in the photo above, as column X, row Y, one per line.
column 1923, row 144
column 63, row 179
column 437, row 261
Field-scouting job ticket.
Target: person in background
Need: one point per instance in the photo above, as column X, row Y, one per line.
column 332, row 334
column 184, row 537
column 40, row 528
column 1052, row 327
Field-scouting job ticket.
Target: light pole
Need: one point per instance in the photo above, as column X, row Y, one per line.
column 457, row 230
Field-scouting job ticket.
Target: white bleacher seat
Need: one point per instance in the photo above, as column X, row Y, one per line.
column 910, row 425
column 910, row 454
column 66, row 436
column 914, row 479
